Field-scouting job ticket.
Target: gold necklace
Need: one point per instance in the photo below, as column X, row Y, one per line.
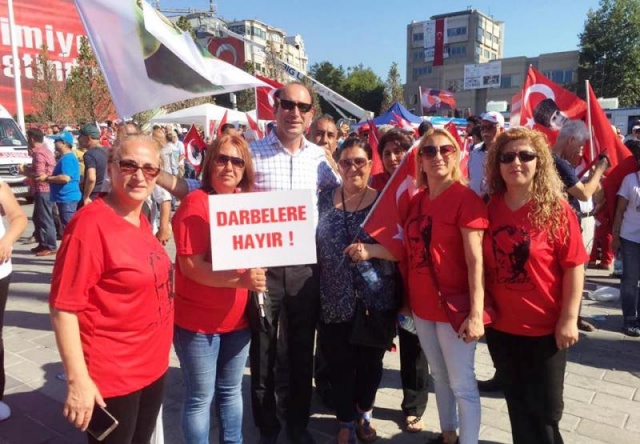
column 352, row 196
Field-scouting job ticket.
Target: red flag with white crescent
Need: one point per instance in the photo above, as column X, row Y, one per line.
column 264, row 98
column 254, row 126
column 194, row 148
column 222, row 123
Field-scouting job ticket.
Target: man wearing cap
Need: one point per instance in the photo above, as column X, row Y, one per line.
column 64, row 181
column 491, row 127
column 42, row 164
column 95, row 162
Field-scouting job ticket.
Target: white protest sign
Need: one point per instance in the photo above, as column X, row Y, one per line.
column 271, row 229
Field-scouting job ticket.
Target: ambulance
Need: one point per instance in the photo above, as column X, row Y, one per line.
column 13, row 153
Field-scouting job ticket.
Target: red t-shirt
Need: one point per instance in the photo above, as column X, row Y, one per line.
column 198, row 307
column 436, row 224
column 116, row 277
column 524, row 269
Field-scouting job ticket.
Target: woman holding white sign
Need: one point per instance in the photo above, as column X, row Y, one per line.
column 212, row 335
column 354, row 294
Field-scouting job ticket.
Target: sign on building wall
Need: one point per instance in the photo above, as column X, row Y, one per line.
column 482, row 75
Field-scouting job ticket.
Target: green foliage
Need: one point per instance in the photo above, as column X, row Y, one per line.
column 49, row 98
column 89, row 96
column 246, row 99
column 610, row 51
column 393, row 90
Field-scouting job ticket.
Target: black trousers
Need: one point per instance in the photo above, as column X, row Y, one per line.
column 414, row 373
column 297, row 290
column 4, row 293
column 136, row 413
column 355, row 371
column 532, row 373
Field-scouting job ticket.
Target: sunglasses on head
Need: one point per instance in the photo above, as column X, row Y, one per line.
column 431, row 151
column 524, row 156
column 488, row 126
column 131, row 167
column 357, row 162
column 223, row 160
column 290, row 104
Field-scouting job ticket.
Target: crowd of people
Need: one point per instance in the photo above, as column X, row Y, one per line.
column 495, row 250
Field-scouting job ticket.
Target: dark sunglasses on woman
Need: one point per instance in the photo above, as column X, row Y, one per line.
column 524, row 156
column 358, row 162
column 131, row 167
column 431, row 151
column 223, row 160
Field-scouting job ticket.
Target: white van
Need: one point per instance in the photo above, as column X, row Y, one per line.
column 13, row 153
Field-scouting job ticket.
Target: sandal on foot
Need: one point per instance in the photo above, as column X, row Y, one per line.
column 413, row 424
column 364, row 429
column 347, row 433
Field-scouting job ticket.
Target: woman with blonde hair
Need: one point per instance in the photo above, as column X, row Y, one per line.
column 534, row 268
column 443, row 235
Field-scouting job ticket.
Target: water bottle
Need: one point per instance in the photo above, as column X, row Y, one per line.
column 617, row 265
column 370, row 276
column 406, row 323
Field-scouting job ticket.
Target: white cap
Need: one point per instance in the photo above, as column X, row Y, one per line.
column 493, row 117
column 635, row 128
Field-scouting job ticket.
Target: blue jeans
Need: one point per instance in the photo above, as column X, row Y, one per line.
column 629, row 282
column 43, row 221
column 212, row 364
column 66, row 210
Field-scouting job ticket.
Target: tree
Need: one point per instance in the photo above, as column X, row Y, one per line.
column 246, row 99
column 363, row 87
column 87, row 89
column 393, row 90
column 610, row 51
column 48, row 98
column 331, row 77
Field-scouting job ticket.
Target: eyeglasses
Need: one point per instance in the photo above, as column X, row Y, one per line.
column 290, row 104
column 357, row 162
column 488, row 126
column 431, row 151
column 223, row 160
column 395, row 152
column 524, row 156
column 131, row 167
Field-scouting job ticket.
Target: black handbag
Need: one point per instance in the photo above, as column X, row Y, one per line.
column 372, row 328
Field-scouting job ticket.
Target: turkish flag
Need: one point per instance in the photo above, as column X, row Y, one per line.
column 264, row 99
column 546, row 106
column 434, row 100
column 222, row 123
column 438, row 55
column 464, row 155
column 254, row 126
column 194, row 148
column 386, row 219
column 374, row 139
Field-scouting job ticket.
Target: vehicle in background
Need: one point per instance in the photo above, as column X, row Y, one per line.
column 13, row 153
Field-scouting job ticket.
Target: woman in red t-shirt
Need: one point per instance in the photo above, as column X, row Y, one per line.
column 211, row 335
column 111, row 300
column 443, row 238
column 534, row 257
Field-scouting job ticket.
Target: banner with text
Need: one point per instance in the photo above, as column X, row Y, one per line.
column 482, row 75
column 268, row 229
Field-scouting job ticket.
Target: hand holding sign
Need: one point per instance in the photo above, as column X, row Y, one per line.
column 254, row 279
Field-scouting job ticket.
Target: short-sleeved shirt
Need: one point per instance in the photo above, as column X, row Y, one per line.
column 630, row 190
column 433, row 235
column 375, row 280
column 524, row 268
column 70, row 191
column 201, row 308
column 96, row 158
column 116, row 278
column 569, row 179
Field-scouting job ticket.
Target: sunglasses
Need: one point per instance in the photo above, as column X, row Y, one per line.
column 524, row 156
column 357, row 162
column 131, row 167
column 223, row 160
column 290, row 104
column 431, row 151
column 488, row 126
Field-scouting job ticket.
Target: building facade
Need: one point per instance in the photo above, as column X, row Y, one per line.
column 473, row 38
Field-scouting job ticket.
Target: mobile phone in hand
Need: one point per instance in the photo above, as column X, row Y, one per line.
column 102, row 423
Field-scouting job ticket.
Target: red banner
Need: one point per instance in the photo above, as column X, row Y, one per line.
column 54, row 23
column 229, row 49
column 438, row 56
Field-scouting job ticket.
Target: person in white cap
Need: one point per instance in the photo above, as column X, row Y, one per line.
column 491, row 127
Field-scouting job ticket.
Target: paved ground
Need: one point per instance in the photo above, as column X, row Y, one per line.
column 602, row 389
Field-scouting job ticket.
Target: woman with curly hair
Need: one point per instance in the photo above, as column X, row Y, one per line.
column 534, row 268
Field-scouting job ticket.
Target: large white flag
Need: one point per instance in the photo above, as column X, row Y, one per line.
column 148, row 62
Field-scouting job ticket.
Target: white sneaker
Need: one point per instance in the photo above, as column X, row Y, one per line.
column 5, row 411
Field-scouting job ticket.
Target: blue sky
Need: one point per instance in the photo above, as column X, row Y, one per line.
column 350, row 32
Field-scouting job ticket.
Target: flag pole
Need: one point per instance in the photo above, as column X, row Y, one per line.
column 591, row 146
column 420, row 101
column 17, row 80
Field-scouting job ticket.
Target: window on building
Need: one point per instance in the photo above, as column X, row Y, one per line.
column 418, row 36
column 560, row 76
column 457, row 51
column 238, row 29
column 418, row 55
column 480, row 34
column 453, row 32
column 422, row 71
column 505, row 81
column 486, row 54
column 495, row 39
column 493, row 56
column 257, row 32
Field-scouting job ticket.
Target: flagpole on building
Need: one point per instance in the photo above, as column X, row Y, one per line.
column 17, row 81
column 592, row 152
